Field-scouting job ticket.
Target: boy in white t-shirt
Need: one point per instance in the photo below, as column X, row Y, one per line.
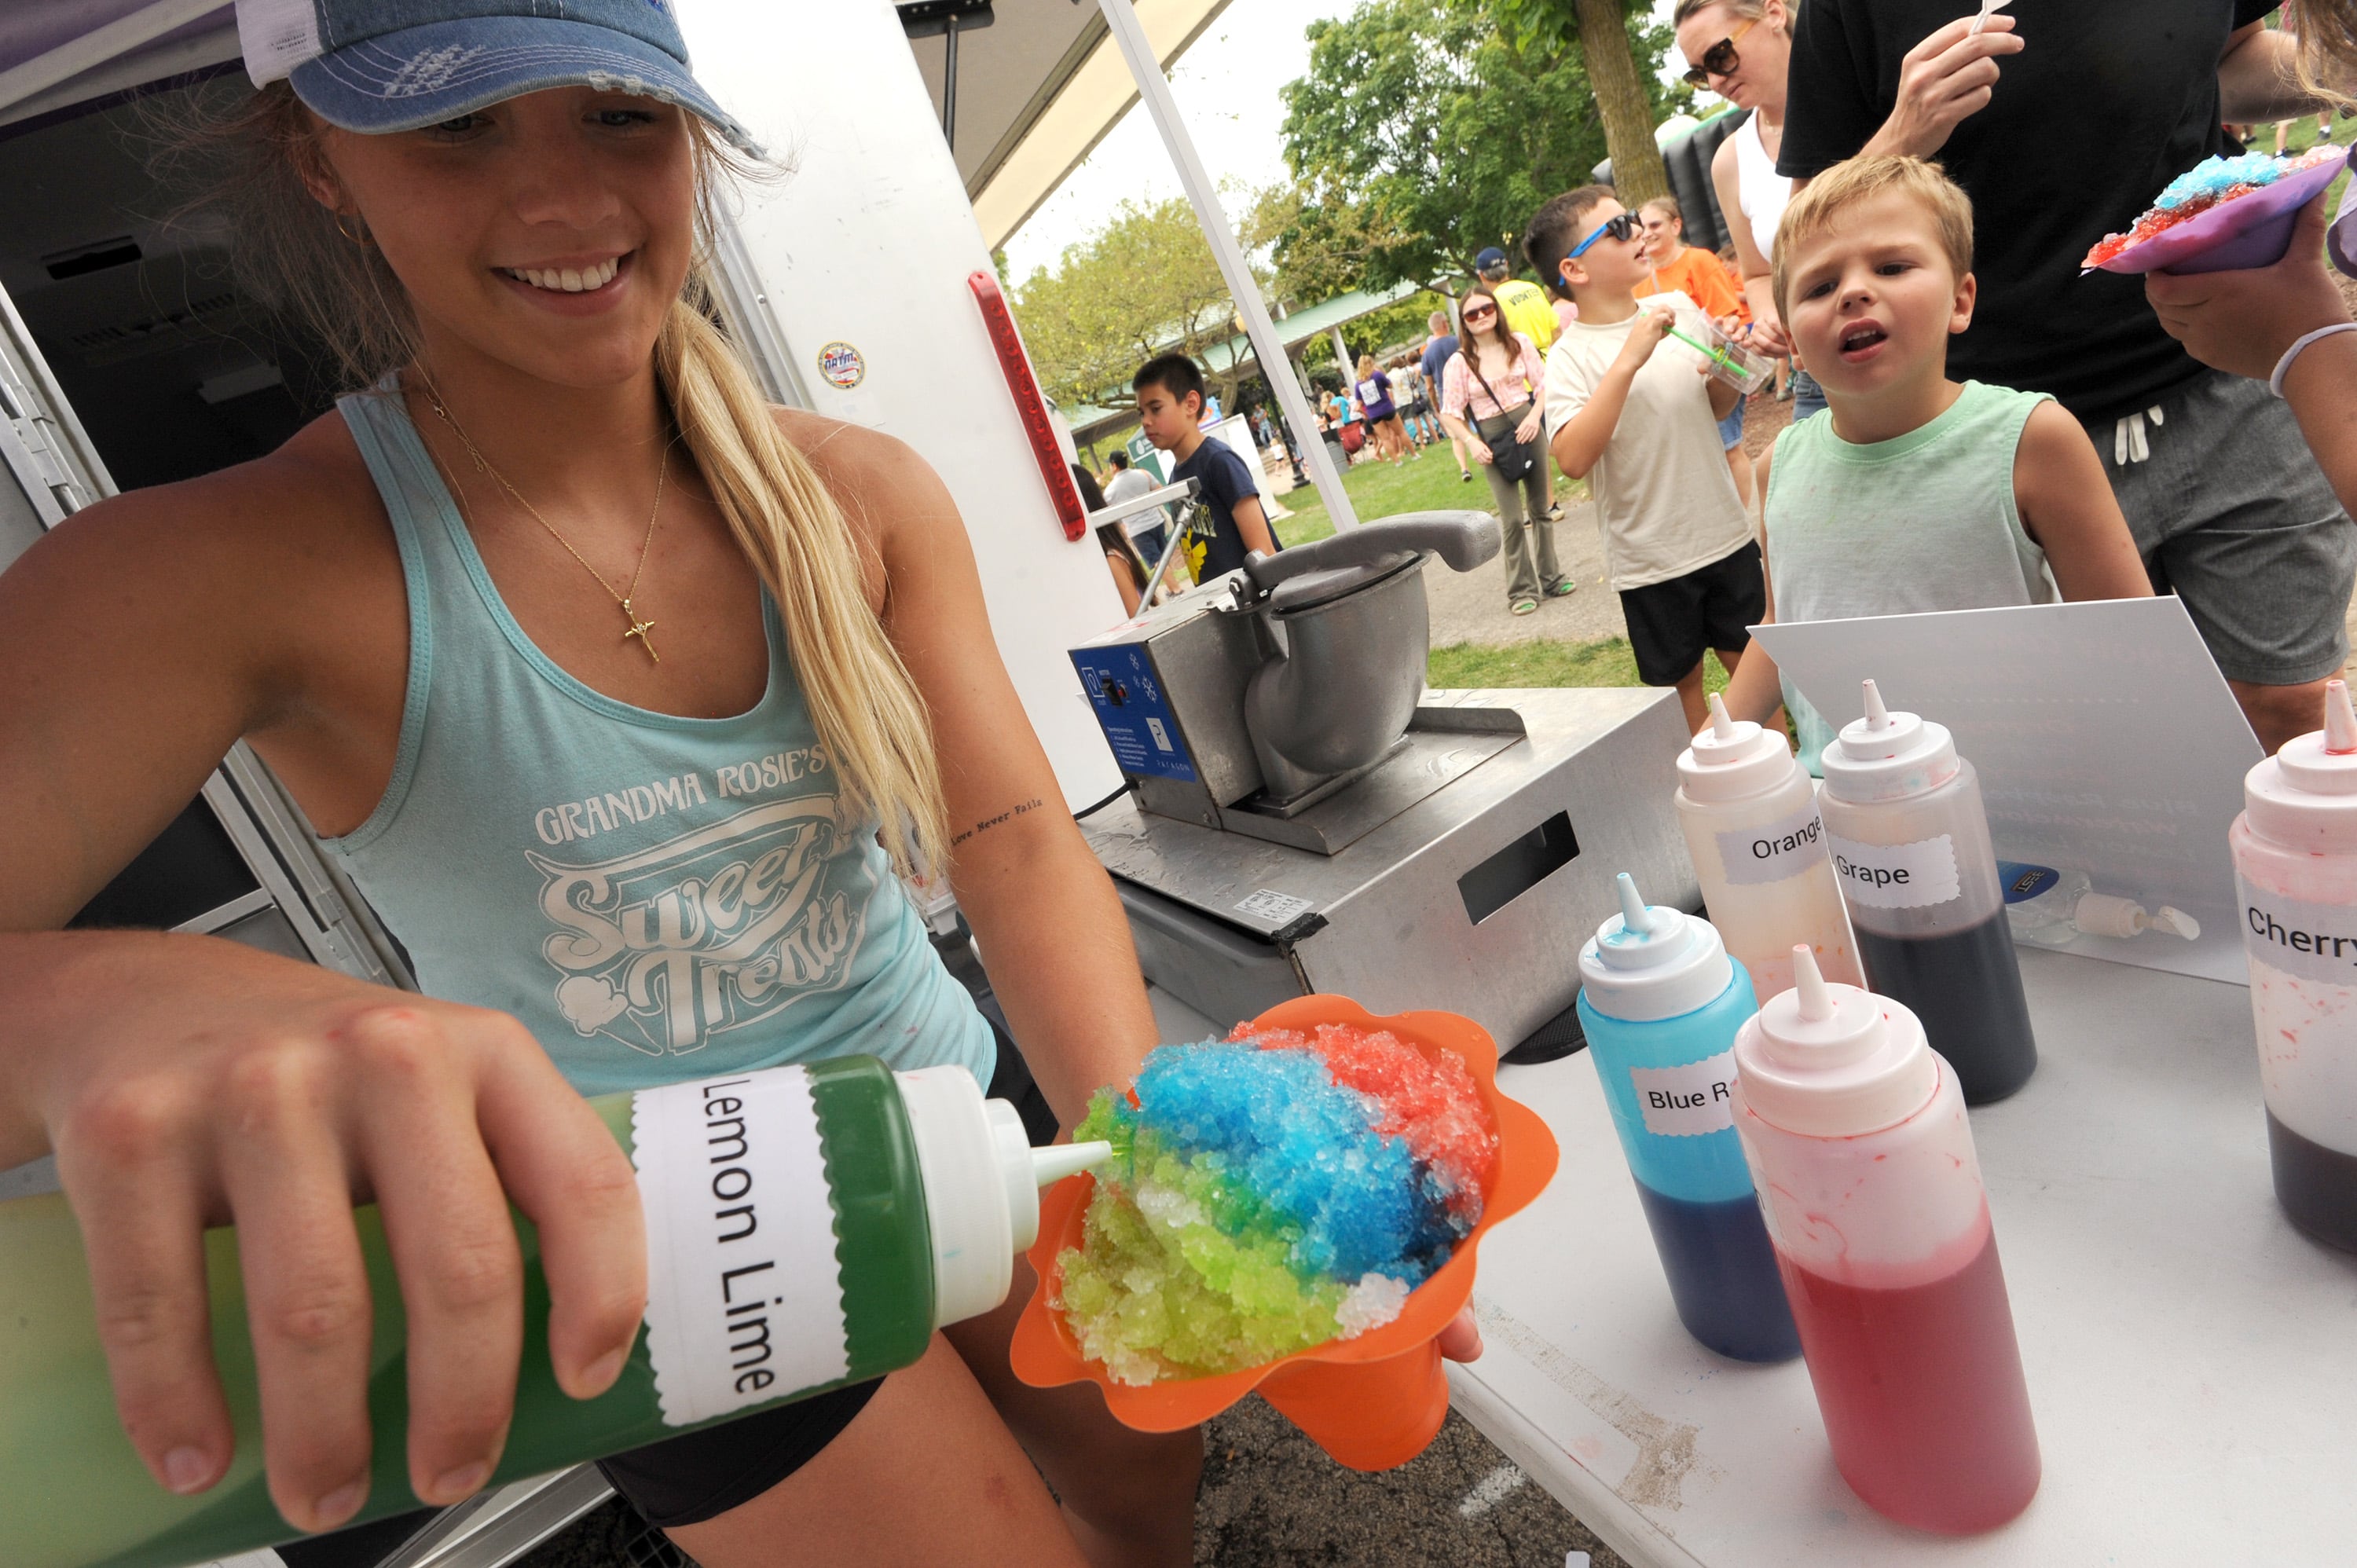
column 1641, row 427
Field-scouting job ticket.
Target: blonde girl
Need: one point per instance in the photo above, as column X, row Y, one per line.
column 569, row 646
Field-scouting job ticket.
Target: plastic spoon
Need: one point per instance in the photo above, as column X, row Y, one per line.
column 1988, row 8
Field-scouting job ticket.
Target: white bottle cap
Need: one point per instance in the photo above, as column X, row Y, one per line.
column 1887, row 756
column 2105, row 915
column 1648, row 962
column 1732, row 760
column 1829, row 1061
column 2304, row 796
column 981, row 1180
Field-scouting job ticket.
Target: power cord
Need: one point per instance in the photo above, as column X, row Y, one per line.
column 1085, row 812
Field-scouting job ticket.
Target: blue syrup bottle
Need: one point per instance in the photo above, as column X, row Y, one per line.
column 1662, row 1002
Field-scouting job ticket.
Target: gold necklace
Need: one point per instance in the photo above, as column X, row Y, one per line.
column 639, row 629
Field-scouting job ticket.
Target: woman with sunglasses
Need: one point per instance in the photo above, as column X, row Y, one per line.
column 1495, row 376
column 1738, row 49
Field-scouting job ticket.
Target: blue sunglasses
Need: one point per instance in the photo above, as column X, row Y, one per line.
column 1620, row 228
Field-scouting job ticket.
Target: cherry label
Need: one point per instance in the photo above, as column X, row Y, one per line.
column 2310, row 941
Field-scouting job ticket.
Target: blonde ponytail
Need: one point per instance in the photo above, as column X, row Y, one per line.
column 860, row 697
column 2327, row 57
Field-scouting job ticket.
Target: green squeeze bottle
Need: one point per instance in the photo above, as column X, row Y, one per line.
column 807, row 1227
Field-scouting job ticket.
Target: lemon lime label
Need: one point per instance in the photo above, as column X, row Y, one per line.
column 743, row 1289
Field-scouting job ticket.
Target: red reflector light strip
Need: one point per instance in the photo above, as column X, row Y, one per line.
column 1032, row 407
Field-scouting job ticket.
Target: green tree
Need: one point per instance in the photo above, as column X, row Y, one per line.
column 1428, row 129
column 1144, row 284
column 1625, row 94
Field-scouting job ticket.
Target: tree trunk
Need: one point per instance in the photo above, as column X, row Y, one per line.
column 1638, row 175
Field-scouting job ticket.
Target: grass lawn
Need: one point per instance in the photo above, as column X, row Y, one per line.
column 1608, row 663
column 1380, row 490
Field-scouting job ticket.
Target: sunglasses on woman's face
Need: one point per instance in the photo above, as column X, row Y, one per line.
column 1480, row 313
column 1720, row 59
column 1620, row 228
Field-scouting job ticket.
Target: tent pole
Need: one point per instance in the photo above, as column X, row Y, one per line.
column 1154, row 93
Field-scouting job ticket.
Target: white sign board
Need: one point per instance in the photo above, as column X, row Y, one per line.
column 2105, row 739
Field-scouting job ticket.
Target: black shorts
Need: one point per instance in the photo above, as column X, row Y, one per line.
column 1716, row 605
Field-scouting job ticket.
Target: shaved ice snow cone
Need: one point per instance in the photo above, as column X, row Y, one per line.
column 2225, row 214
column 1297, row 1215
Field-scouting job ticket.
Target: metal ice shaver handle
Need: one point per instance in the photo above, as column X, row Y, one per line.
column 1463, row 538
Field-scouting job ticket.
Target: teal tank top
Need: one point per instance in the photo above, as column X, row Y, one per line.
column 1923, row 522
column 656, row 897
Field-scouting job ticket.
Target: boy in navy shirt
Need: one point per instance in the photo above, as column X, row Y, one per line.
column 1170, row 411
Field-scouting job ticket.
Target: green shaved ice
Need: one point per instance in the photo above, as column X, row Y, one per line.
column 1182, row 1273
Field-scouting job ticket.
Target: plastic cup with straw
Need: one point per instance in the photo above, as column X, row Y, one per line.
column 1743, row 368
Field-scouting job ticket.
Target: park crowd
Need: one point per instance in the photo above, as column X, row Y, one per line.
column 1975, row 422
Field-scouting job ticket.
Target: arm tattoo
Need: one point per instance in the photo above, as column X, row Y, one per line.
column 989, row 822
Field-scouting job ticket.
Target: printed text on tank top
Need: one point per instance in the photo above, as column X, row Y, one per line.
column 655, row 897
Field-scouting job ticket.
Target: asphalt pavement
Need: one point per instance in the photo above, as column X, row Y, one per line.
column 1271, row 1499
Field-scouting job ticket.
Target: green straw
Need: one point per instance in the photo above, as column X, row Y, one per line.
column 1719, row 356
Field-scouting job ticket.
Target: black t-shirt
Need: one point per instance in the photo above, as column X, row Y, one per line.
column 2111, row 101
column 1226, row 481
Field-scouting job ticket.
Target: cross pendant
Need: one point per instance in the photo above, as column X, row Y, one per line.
column 639, row 629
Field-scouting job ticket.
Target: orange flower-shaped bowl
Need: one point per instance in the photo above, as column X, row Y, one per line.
column 1374, row 1402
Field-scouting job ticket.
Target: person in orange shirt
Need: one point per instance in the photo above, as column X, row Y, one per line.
column 1703, row 278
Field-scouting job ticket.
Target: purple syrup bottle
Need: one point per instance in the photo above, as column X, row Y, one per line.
column 1911, row 851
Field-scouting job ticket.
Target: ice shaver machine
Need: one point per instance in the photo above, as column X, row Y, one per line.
column 1304, row 816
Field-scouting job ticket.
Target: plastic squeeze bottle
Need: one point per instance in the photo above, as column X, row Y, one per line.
column 807, row 1227
column 2296, row 863
column 1856, row 1136
column 1661, row 1002
column 1911, row 846
column 1749, row 813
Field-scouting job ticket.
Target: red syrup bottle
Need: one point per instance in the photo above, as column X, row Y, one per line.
column 1854, row 1131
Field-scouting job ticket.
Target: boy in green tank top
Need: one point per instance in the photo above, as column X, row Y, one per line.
column 1911, row 492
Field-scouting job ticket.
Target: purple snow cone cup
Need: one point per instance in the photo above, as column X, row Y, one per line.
column 2249, row 231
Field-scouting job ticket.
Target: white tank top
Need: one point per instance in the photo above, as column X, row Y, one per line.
column 1760, row 191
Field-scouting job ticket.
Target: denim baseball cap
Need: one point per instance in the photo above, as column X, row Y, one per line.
column 1493, row 257
column 398, row 65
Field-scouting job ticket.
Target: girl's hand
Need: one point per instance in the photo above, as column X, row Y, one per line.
column 1529, row 428
column 1461, row 1340
column 1480, row 450
column 2242, row 322
column 220, row 1085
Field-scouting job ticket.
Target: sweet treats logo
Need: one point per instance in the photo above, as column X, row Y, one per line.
column 720, row 928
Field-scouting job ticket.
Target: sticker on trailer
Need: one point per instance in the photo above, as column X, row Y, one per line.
column 1137, row 722
column 1276, row 909
column 842, row 365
